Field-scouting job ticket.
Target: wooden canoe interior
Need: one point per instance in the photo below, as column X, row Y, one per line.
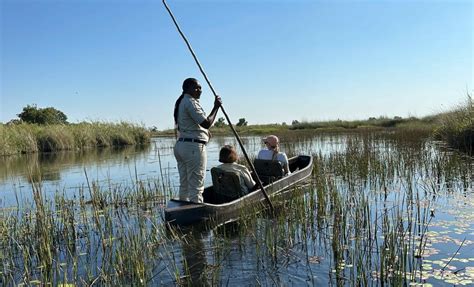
column 295, row 164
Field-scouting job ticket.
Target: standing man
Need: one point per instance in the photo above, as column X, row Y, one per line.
column 192, row 133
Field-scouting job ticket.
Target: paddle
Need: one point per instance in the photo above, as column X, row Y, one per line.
column 252, row 167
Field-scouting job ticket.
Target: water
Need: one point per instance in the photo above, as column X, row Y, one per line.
column 118, row 167
column 405, row 186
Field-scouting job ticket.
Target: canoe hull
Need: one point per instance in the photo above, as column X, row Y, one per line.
column 187, row 213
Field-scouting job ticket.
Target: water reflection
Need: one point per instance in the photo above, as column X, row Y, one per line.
column 51, row 165
column 198, row 270
column 230, row 230
column 369, row 199
column 65, row 171
column 195, row 256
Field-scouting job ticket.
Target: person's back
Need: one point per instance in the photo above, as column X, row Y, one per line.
column 246, row 181
column 228, row 157
column 270, row 155
column 272, row 152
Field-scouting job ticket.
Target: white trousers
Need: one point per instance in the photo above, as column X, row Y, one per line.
column 192, row 160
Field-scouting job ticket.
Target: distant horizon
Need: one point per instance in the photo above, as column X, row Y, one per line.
column 271, row 61
column 235, row 121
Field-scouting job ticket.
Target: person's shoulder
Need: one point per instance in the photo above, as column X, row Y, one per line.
column 262, row 153
column 240, row 166
column 282, row 155
column 227, row 167
column 242, row 169
column 188, row 100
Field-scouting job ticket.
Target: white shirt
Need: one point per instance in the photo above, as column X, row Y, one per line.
column 267, row 154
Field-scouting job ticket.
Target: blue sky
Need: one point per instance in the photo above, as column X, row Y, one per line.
column 271, row 61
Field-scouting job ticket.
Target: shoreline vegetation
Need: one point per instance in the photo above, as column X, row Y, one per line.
column 455, row 127
column 370, row 215
column 25, row 138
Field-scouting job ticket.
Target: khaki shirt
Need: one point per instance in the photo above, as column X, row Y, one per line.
column 246, row 180
column 190, row 115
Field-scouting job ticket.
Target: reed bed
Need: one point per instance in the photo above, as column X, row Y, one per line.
column 105, row 237
column 457, row 127
column 29, row 138
column 367, row 217
column 367, row 214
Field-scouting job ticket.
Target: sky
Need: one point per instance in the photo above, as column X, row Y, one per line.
column 270, row 61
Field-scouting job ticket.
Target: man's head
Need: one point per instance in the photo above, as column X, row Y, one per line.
column 192, row 87
column 228, row 154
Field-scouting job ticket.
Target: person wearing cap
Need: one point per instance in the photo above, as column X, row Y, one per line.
column 192, row 134
column 228, row 156
column 272, row 152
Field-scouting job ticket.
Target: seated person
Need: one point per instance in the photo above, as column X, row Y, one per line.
column 272, row 152
column 228, row 156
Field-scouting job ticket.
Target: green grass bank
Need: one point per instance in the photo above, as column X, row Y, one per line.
column 29, row 138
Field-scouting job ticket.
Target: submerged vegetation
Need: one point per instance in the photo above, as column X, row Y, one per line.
column 28, row 138
column 381, row 208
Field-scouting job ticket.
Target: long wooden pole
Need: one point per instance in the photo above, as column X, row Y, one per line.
column 252, row 167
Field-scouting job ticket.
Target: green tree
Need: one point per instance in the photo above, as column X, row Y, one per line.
column 42, row 116
column 242, row 122
column 220, row 123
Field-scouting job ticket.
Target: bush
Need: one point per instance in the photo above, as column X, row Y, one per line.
column 47, row 116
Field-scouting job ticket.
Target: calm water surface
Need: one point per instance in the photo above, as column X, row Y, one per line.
column 302, row 248
column 120, row 167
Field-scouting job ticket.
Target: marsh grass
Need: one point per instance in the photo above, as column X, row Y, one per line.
column 369, row 209
column 339, row 126
column 102, row 237
column 18, row 139
column 382, row 122
column 364, row 218
column 456, row 127
column 28, row 138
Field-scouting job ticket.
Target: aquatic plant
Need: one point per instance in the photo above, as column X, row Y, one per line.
column 371, row 214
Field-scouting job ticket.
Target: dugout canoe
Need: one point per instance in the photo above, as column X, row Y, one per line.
column 183, row 213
